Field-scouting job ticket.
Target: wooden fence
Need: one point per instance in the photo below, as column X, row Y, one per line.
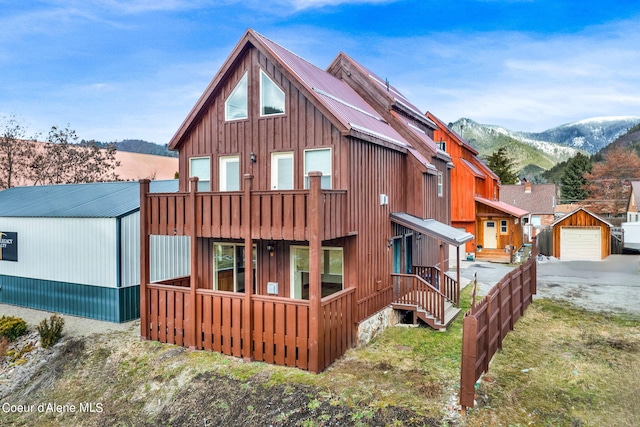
column 279, row 329
column 487, row 323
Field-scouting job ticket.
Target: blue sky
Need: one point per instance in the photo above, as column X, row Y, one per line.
column 118, row 69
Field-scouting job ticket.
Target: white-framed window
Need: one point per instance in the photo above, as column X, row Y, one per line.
column 271, row 96
column 230, row 173
column 201, row 167
column 331, row 268
column 236, row 105
column 229, row 267
column 504, row 226
column 282, row 171
column 440, row 185
column 318, row 159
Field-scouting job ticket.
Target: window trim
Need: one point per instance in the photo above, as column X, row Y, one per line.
column 440, row 184
column 292, row 269
column 275, row 170
column 244, row 77
column 223, row 160
column 306, row 173
column 284, row 96
column 200, row 179
column 504, row 223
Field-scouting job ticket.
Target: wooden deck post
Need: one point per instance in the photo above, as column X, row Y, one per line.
column 192, row 321
column 316, row 320
column 458, row 277
column 441, row 280
column 144, row 259
column 247, row 311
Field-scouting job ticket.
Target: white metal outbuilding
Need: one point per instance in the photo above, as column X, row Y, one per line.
column 75, row 249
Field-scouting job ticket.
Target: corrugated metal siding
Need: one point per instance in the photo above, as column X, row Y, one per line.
column 73, row 250
column 170, row 255
column 94, row 302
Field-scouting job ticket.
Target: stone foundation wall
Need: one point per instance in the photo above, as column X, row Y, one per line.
column 372, row 326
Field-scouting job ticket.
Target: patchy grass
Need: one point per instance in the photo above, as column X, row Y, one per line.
column 563, row 366
column 560, row 367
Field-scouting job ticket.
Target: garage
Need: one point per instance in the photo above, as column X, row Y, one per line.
column 580, row 243
column 581, row 236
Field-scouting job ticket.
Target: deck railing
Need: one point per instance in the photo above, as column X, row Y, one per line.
column 279, row 330
column 276, row 215
column 411, row 289
column 449, row 287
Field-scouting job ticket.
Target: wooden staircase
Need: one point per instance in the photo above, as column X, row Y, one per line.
column 450, row 313
column 435, row 306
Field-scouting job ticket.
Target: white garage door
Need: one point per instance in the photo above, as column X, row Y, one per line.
column 580, row 243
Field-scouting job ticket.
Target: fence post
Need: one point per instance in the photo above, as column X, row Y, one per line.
column 488, row 334
column 192, row 323
column 534, row 266
column 468, row 363
column 144, row 259
column 510, row 286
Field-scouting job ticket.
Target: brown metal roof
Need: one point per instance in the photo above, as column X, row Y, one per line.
column 475, row 170
column 433, row 228
column 541, row 200
column 502, row 206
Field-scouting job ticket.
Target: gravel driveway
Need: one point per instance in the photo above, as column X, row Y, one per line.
column 612, row 284
column 73, row 326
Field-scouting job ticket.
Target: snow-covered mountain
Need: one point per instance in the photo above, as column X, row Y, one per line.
column 524, row 151
column 590, row 135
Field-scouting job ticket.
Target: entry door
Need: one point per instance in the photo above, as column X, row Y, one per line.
column 490, row 235
column 408, row 255
column 397, row 255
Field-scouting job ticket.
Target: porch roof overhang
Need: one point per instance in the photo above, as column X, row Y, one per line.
column 433, row 228
column 502, row 206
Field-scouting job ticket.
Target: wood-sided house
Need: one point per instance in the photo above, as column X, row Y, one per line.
column 475, row 200
column 309, row 211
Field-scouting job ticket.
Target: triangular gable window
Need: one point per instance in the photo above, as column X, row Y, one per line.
column 235, row 107
column 271, row 96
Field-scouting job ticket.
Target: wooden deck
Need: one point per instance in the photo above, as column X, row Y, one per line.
column 274, row 215
column 494, row 255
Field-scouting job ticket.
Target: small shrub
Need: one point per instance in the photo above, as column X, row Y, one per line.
column 12, row 327
column 50, row 331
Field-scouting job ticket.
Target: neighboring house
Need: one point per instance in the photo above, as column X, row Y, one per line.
column 75, row 249
column 631, row 228
column 537, row 199
column 311, row 207
column 497, row 227
column 633, row 213
column 581, row 235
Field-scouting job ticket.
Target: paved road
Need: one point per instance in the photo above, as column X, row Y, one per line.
column 609, row 285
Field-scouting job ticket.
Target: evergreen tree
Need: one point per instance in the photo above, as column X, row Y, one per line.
column 502, row 166
column 572, row 180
